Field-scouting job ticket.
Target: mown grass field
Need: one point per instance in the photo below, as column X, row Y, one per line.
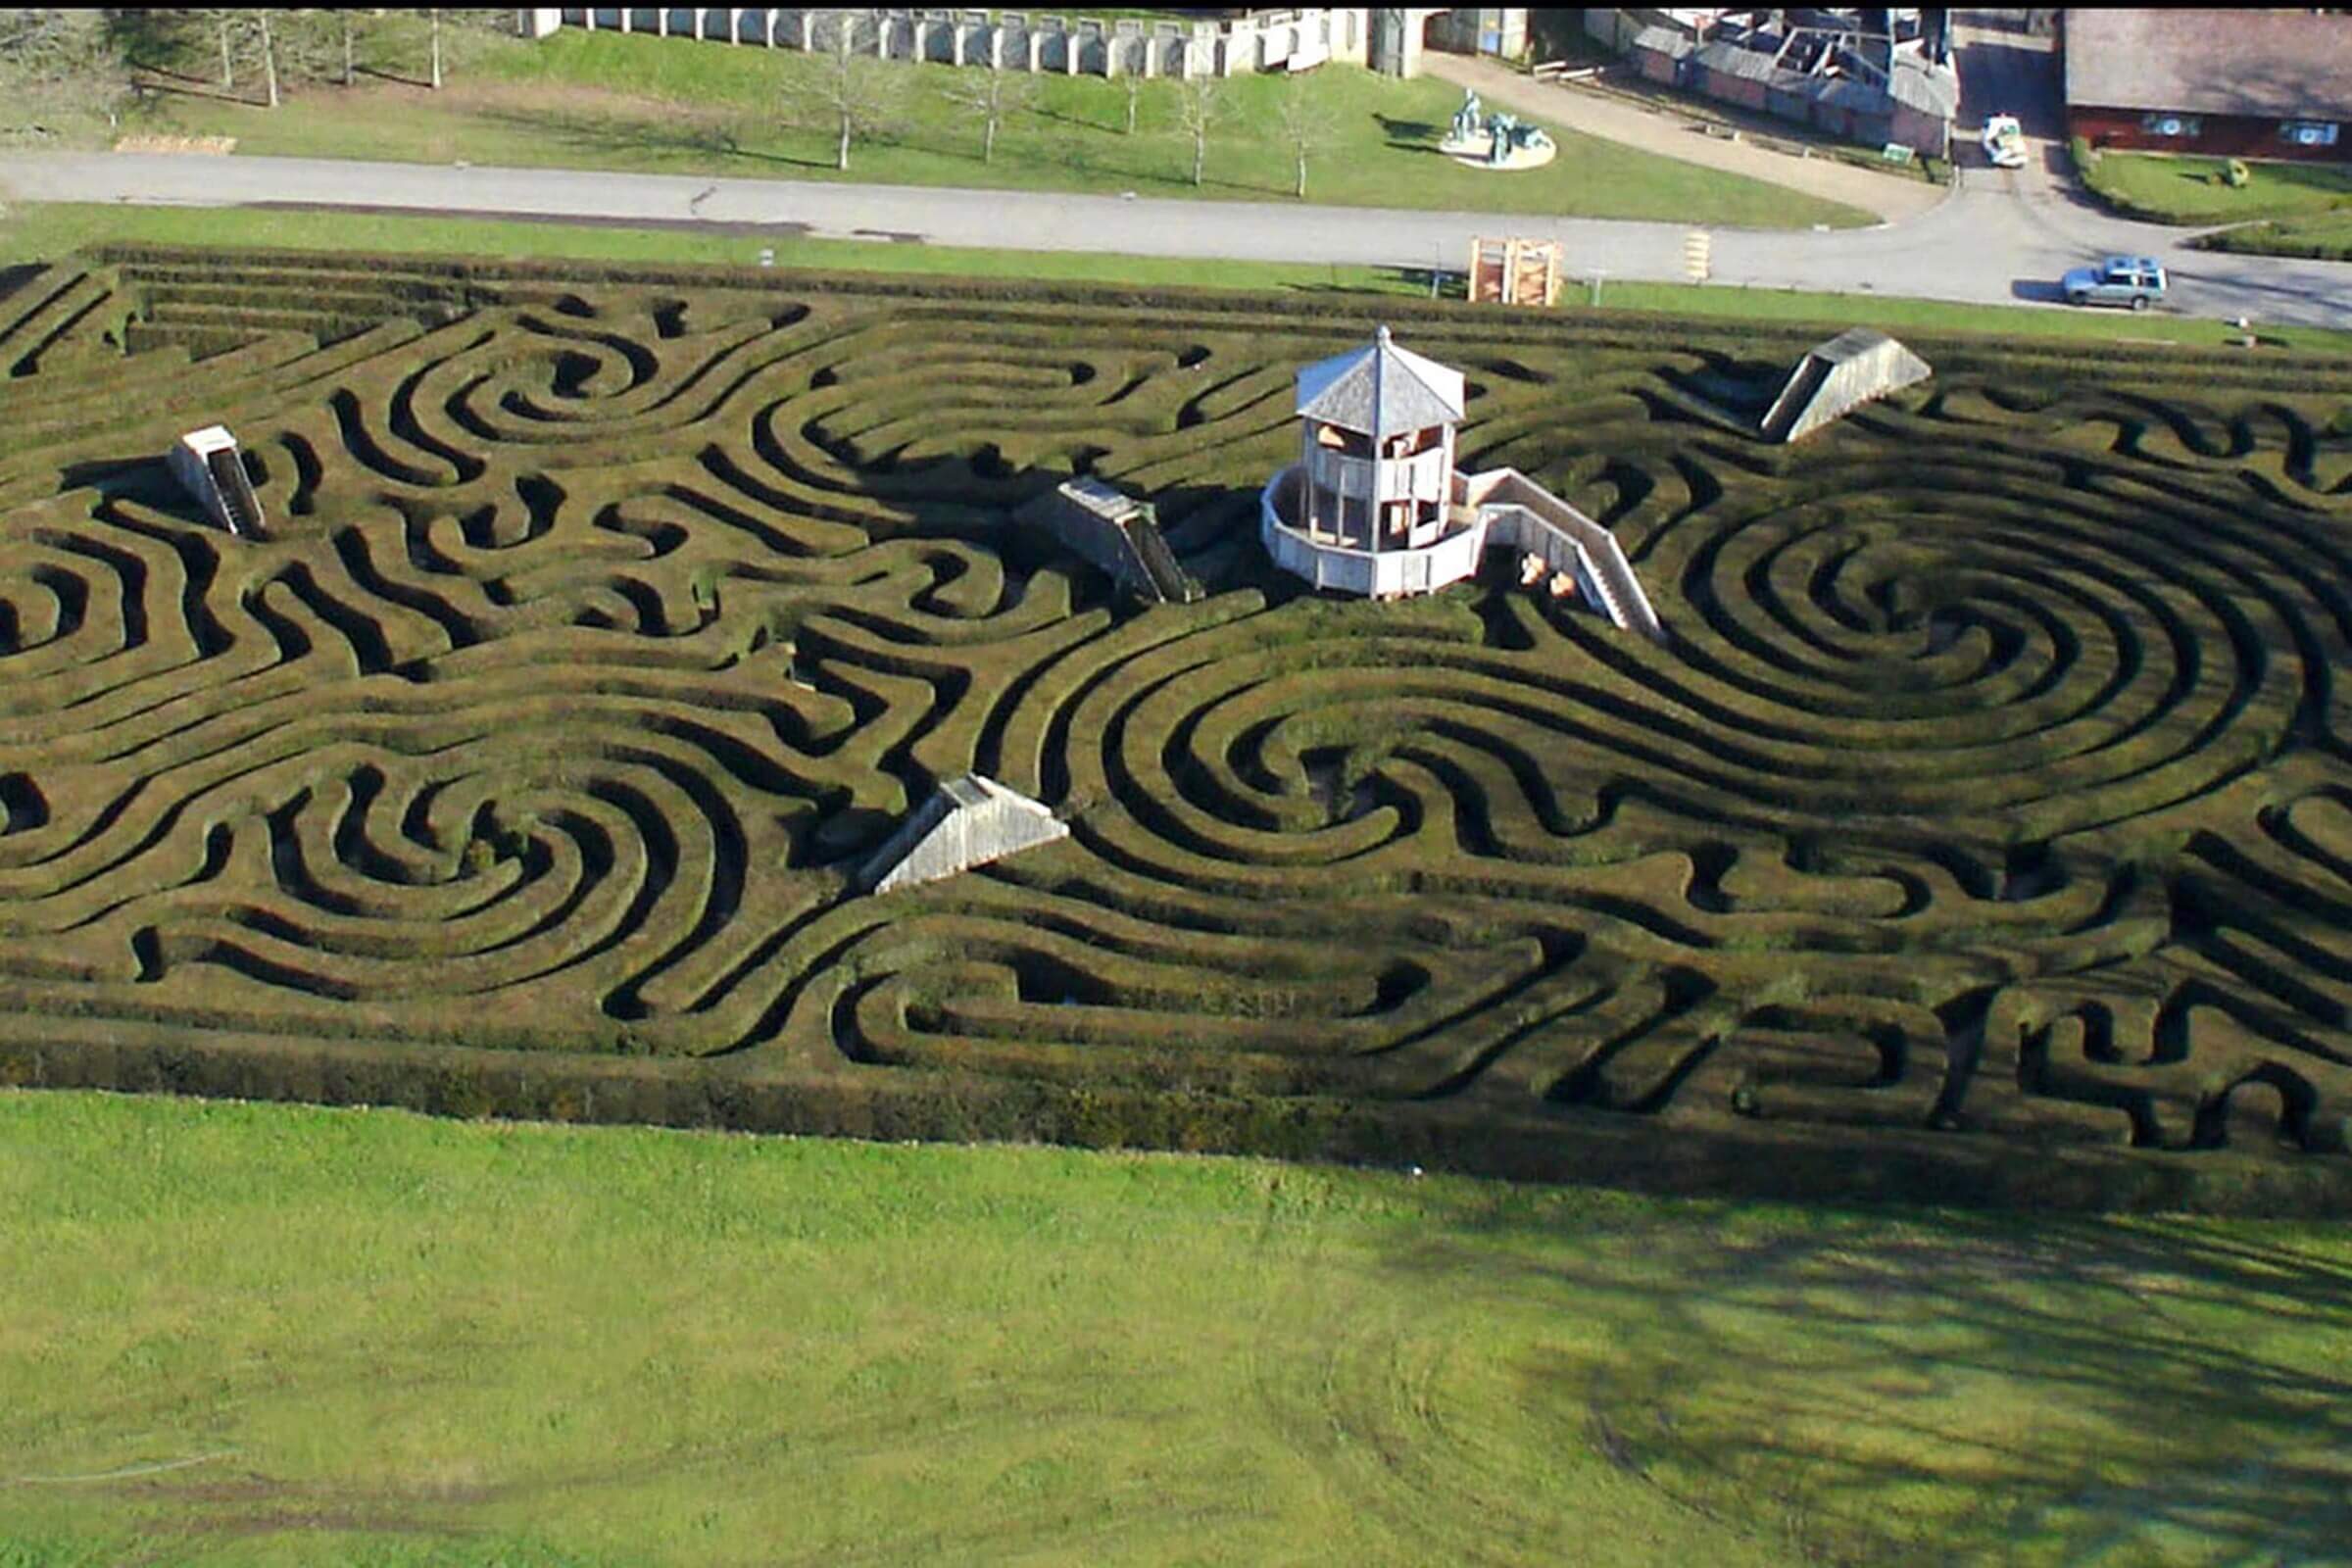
column 607, row 101
column 393, row 1340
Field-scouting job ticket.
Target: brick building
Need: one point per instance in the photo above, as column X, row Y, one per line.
column 2225, row 83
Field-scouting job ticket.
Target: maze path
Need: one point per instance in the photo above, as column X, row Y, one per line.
column 1992, row 783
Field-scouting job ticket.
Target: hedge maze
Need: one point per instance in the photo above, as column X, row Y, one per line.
column 1983, row 830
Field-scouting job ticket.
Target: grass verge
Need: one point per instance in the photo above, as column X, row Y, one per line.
column 2325, row 237
column 260, row 1335
column 50, row 230
column 2174, row 188
column 55, row 229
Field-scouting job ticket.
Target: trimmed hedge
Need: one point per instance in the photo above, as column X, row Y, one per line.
column 1963, row 841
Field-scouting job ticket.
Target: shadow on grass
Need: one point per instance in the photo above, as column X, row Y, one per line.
column 190, row 87
column 145, row 68
column 779, row 229
column 15, row 277
column 620, row 141
column 1394, row 282
column 1406, row 130
column 1946, row 1387
column 378, row 73
column 1076, row 121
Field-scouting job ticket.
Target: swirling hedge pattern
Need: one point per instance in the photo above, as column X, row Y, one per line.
column 1992, row 781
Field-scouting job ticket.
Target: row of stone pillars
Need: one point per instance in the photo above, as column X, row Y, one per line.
column 1197, row 57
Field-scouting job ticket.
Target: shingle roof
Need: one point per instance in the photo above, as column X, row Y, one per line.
column 1379, row 390
column 1861, row 97
column 1734, row 61
column 2285, row 64
column 1931, row 89
column 1663, row 41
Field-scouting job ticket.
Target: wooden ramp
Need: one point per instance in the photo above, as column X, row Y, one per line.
column 1838, row 376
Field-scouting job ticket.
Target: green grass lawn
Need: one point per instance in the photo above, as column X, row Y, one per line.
column 607, row 101
column 54, row 230
column 2174, row 189
column 42, row 232
column 2325, row 236
column 256, row 1335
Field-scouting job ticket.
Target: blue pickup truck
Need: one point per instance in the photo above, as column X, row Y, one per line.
column 2133, row 280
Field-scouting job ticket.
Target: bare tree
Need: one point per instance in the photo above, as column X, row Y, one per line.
column 993, row 97
column 60, row 71
column 1307, row 123
column 224, row 25
column 351, row 31
column 453, row 37
column 1135, row 91
column 247, row 35
column 1200, row 110
column 845, row 89
column 268, row 40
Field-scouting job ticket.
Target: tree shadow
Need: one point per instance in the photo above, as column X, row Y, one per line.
column 1934, row 1386
column 777, row 229
column 192, row 87
column 166, row 71
column 1044, row 112
column 394, row 77
column 606, row 138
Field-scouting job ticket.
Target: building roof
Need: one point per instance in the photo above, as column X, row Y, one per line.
column 1663, row 41
column 1379, row 390
column 1929, row 89
column 1861, row 97
column 2283, row 65
column 1733, row 59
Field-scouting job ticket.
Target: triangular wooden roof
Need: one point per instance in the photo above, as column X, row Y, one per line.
column 1379, row 390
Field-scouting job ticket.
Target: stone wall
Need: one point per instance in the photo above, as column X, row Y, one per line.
column 1015, row 40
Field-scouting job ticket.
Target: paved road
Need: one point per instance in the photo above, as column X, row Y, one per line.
column 1999, row 238
column 1207, row 230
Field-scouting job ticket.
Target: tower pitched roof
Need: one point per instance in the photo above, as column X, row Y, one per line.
column 1379, row 390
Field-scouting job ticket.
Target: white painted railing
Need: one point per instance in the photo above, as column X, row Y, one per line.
column 1526, row 514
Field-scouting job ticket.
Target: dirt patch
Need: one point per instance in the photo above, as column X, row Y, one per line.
column 176, row 144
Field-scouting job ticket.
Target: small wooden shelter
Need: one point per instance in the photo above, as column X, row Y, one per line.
column 1514, row 271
